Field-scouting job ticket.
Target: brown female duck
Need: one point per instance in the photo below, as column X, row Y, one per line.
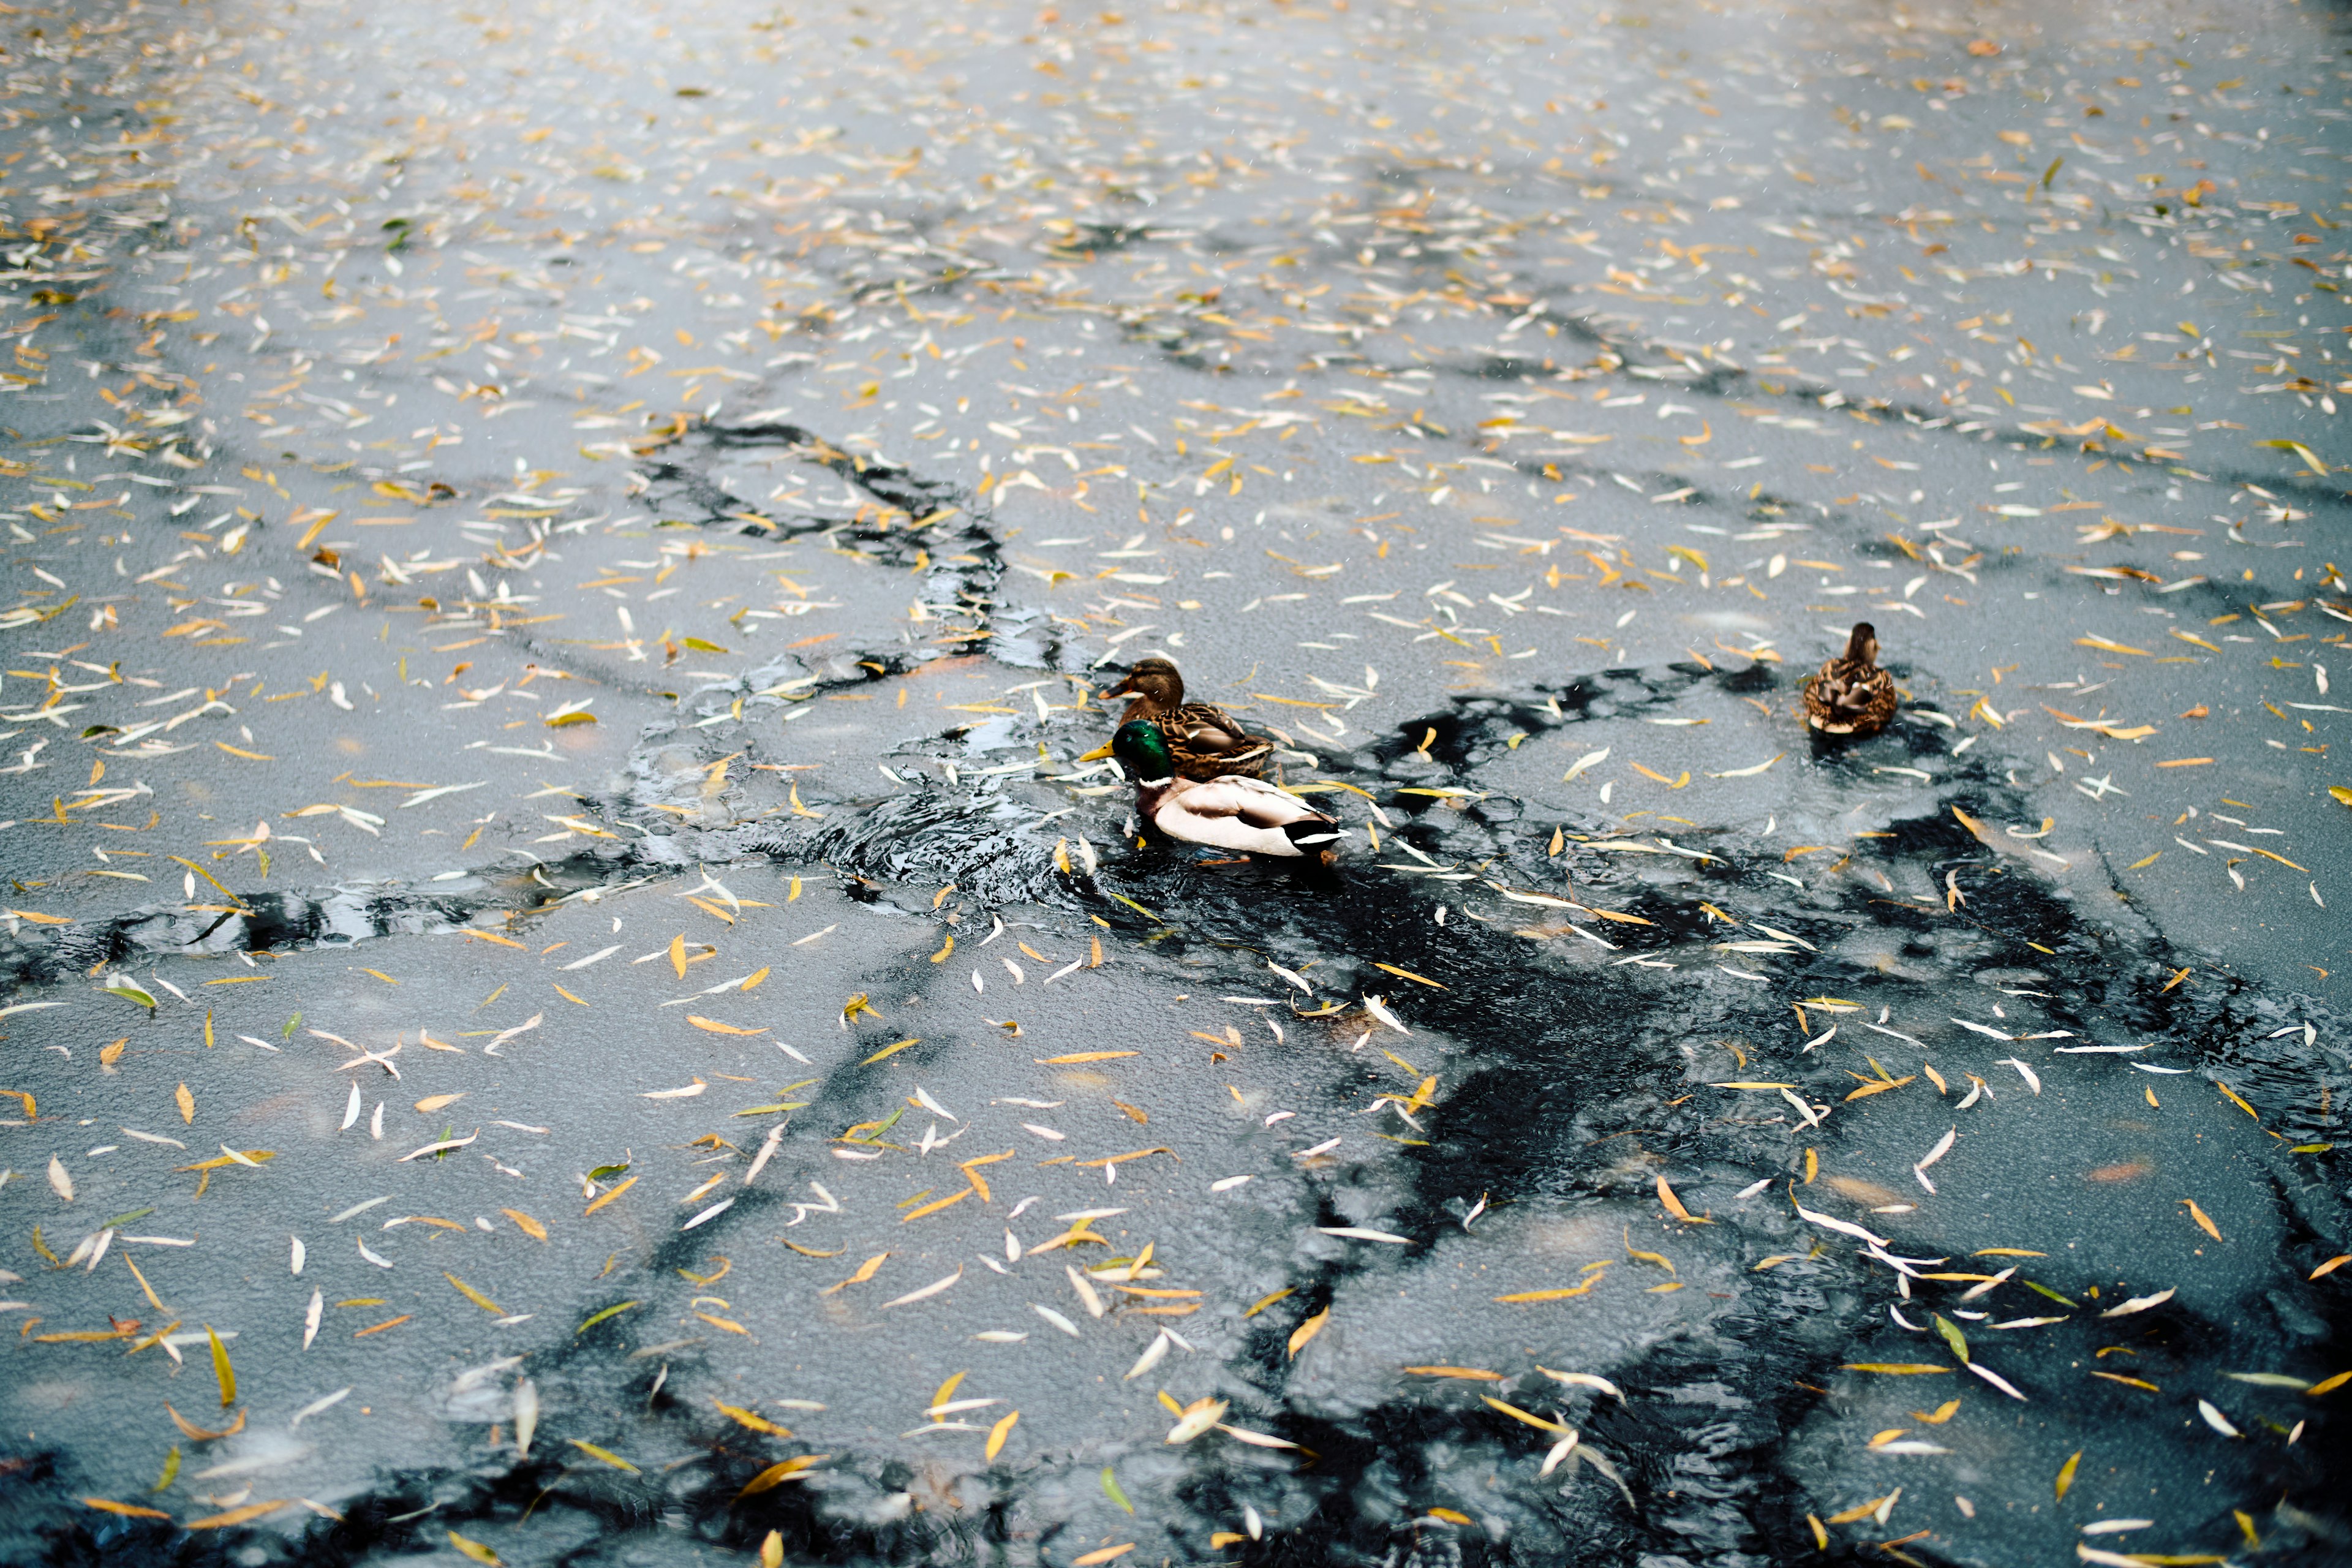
column 1851, row 695
column 1207, row 741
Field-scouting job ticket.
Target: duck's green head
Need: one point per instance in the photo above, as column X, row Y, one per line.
column 1143, row 750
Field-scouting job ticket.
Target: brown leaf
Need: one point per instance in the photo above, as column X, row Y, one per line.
column 197, row 1433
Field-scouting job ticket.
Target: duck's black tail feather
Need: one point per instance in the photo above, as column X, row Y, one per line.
column 1313, row 833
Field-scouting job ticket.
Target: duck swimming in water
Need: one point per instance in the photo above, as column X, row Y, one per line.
column 1205, row 741
column 1851, row 695
column 1230, row 813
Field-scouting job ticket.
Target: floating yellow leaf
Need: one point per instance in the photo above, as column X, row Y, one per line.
column 1864, row 1510
column 712, row 1025
column 1516, row 1414
column 608, row 1197
column 235, row 1516
column 524, row 1223
column 476, row 1297
column 1307, row 1331
column 778, row 1473
column 1560, row 1295
column 606, row 1454
column 1409, row 975
column 932, row 1208
column 196, row 1434
column 996, row 1436
column 222, row 1374
column 866, row 1270
column 127, row 1510
column 473, row 1549
column 755, row 1421
column 221, row 1162
column 890, row 1051
column 1674, row 1205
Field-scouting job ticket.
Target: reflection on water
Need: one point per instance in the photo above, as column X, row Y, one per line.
column 1572, row 1083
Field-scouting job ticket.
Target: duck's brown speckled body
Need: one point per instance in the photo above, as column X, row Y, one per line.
column 1851, row 695
column 1207, row 741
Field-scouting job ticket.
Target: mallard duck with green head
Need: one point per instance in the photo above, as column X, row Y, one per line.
column 1234, row 812
column 1207, row 741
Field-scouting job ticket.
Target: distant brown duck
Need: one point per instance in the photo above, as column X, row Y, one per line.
column 1851, row 695
column 1207, row 741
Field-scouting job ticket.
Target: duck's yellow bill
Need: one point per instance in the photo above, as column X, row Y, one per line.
column 1097, row 754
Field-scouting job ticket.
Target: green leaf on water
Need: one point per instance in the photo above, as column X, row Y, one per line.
column 2046, row 1291
column 1131, row 904
column 600, row 1317
column 222, row 1374
column 1952, row 1336
column 2268, row 1380
column 171, row 1470
column 291, row 1024
column 606, row 1173
column 867, row 1131
column 1111, row 1491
